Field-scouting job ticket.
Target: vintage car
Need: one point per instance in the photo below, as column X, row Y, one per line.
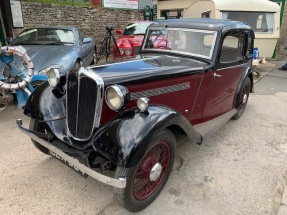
column 52, row 45
column 130, row 40
column 119, row 123
column 47, row 47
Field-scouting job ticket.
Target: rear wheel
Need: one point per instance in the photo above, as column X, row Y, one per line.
column 146, row 180
column 244, row 95
column 36, row 126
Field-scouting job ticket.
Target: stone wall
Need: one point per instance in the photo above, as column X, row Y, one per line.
column 280, row 51
column 92, row 20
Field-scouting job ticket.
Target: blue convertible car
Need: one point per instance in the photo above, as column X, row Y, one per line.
column 53, row 46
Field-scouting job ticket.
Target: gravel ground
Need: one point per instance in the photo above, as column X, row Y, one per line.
column 241, row 169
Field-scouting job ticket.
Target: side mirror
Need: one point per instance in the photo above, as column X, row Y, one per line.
column 87, row 40
column 9, row 40
column 119, row 32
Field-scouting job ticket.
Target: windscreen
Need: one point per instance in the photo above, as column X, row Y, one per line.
column 39, row 36
column 136, row 28
column 181, row 40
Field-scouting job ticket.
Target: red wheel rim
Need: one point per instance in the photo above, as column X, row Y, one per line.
column 244, row 92
column 143, row 187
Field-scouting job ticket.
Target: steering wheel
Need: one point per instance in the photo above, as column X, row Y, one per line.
column 27, row 62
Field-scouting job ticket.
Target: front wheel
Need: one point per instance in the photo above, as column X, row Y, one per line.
column 146, row 180
column 244, row 95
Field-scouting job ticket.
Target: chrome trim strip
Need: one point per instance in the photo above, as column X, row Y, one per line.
column 100, row 91
column 119, row 182
column 241, row 65
column 87, row 72
column 108, row 64
column 160, row 91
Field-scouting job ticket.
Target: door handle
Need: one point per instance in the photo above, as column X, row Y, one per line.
column 216, row 75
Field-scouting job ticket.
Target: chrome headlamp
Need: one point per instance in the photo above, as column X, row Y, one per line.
column 52, row 66
column 54, row 75
column 122, row 51
column 143, row 103
column 116, row 97
column 128, row 51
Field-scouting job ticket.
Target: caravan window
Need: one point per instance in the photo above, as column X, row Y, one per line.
column 259, row 21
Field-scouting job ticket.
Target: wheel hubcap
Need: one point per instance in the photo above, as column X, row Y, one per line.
column 244, row 98
column 151, row 171
column 155, row 172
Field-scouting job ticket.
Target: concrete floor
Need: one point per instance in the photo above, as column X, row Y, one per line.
column 242, row 169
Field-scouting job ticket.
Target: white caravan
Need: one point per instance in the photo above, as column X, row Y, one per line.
column 262, row 15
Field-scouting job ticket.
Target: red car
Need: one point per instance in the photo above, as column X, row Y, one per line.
column 131, row 38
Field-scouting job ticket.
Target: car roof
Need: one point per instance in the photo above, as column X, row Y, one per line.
column 141, row 21
column 203, row 23
column 52, row 27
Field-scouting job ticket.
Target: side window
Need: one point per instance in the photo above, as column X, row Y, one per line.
column 82, row 35
column 25, row 36
column 205, row 14
column 232, row 49
column 249, row 50
column 241, row 46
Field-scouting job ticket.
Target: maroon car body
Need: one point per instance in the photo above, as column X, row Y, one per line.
column 190, row 77
column 130, row 40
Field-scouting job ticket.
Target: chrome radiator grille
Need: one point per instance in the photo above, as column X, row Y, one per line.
column 84, row 102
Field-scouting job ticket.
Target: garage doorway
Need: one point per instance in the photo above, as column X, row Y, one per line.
column 2, row 36
column 2, row 28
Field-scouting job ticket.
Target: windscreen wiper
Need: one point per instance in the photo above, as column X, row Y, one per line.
column 58, row 43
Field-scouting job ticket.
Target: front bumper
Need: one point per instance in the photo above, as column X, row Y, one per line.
column 119, row 183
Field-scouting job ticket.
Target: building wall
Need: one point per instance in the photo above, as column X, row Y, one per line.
column 143, row 3
column 177, row 4
column 92, row 20
column 280, row 50
column 172, row 5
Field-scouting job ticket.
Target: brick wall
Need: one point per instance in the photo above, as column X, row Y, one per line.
column 92, row 20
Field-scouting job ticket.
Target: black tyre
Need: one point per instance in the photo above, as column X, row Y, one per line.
column 36, row 126
column 146, row 180
column 94, row 57
column 243, row 99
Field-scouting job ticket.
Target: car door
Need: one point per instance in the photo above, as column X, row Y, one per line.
column 224, row 79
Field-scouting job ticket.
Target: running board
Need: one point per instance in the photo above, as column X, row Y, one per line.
column 208, row 128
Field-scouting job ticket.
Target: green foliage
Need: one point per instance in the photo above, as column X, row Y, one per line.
column 63, row 2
